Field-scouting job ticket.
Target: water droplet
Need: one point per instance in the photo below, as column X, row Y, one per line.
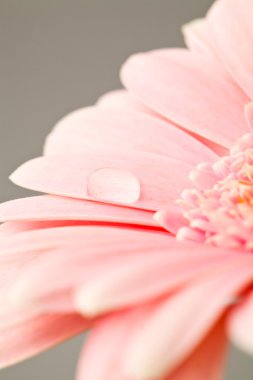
column 114, row 185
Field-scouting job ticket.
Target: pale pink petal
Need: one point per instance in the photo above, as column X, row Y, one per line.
column 86, row 129
column 191, row 90
column 27, row 335
column 91, row 257
column 122, row 100
column 53, row 238
column 207, row 361
column 249, row 114
column 180, row 323
column 198, row 38
column 12, row 228
column 90, row 248
column 109, row 341
column 25, row 248
column 171, row 219
column 11, row 266
column 21, row 250
column 231, row 26
column 240, row 324
column 132, row 280
column 137, row 179
column 52, row 208
column 100, row 280
column 106, row 346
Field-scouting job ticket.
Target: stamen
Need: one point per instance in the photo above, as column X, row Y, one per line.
column 219, row 210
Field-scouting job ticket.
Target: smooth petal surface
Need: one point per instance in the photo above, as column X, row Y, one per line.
column 109, row 341
column 71, row 176
column 26, row 335
column 231, row 26
column 240, row 324
column 165, row 339
column 171, row 219
column 249, row 114
column 9, row 229
column 107, row 345
column 207, row 361
column 151, row 276
column 122, row 100
column 198, row 38
column 83, row 250
column 191, row 90
column 60, row 237
column 87, row 128
column 49, row 208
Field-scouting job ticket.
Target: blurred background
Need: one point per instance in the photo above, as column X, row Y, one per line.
column 59, row 55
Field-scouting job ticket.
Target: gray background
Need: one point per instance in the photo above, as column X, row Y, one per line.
column 58, row 55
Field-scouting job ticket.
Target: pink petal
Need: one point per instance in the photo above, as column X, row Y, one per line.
column 198, row 38
column 231, row 27
column 165, row 339
column 171, row 219
column 142, row 277
column 249, row 114
column 94, row 250
column 190, row 89
column 87, row 128
column 240, row 324
column 106, row 346
column 70, row 176
column 207, row 361
column 11, row 266
column 122, row 100
column 52, row 208
column 109, row 341
column 12, row 228
column 26, row 334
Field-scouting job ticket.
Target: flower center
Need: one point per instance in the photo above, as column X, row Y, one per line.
column 219, row 210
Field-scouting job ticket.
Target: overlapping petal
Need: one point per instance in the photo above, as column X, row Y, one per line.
column 51, row 208
column 26, row 334
column 198, row 37
column 239, row 324
column 92, row 245
column 191, row 90
column 136, row 179
column 86, row 129
column 231, row 27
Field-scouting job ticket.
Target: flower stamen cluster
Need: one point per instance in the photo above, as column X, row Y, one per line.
column 219, row 210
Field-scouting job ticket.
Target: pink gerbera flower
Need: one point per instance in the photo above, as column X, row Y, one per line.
column 145, row 231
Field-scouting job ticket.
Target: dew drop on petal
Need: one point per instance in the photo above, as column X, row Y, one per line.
column 114, row 185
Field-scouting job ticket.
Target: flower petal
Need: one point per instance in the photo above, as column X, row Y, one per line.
column 106, row 346
column 27, row 335
column 249, row 114
column 198, row 37
column 171, row 219
column 87, row 128
column 120, row 329
column 191, row 90
column 92, row 249
column 143, row 277
column 231, row 27
column 52, row 208
column 240, row 324
column 70, row 176
column 197, row 365
column 122, row 100
column 165, row 339
column 102, row 278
